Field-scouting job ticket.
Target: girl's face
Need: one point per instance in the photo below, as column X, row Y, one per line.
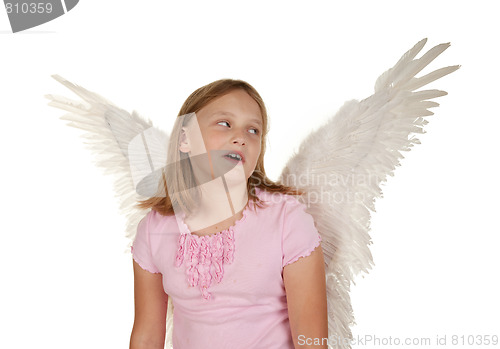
column 231, row 123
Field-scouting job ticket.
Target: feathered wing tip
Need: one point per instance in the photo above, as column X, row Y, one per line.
column 386, row 78
column 402, row 75
column 109, row 133
column 342, row 165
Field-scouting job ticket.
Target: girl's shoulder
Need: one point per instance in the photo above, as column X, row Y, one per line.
column 154, row 220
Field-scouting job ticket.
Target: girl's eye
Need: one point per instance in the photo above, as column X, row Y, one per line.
column 256, row 131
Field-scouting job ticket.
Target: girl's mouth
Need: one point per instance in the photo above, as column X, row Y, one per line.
column 235, row 157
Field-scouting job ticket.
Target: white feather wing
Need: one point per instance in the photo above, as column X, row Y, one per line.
column 341, row 166
column 125, row 145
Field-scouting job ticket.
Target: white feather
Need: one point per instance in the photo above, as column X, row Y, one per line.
column 109, row 132
column 347, row 159
column 126, row 146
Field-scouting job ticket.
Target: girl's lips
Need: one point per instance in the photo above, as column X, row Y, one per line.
column 235, row 152
column 232, row 160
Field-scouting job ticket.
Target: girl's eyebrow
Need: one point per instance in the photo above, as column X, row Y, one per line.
column 258, row 121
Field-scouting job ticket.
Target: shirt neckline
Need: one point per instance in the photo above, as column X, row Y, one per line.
column 185, row 229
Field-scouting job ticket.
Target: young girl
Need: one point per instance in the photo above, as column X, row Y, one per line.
column 237, row 254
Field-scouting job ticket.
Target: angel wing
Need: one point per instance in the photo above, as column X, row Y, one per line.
column 125, row 145
column 341, row 166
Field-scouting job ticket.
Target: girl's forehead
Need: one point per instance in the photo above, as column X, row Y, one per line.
column 252, row 118
column 236, row 103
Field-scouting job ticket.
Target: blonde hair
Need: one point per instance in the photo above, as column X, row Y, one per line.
column 178, row 181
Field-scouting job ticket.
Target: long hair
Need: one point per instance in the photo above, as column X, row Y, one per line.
column 181, row 176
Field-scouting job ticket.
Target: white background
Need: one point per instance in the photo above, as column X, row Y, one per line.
column 66, row 281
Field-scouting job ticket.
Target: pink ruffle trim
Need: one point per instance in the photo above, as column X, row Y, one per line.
column 205, row 256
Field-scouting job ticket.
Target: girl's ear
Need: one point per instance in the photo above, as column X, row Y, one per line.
column 184, row 141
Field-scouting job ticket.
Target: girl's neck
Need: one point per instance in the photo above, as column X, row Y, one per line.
column 219, row 226
column 221, row 205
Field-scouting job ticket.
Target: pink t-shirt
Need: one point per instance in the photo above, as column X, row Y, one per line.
column 227, row 288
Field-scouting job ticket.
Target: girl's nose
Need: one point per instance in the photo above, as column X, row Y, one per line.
column 238, row 137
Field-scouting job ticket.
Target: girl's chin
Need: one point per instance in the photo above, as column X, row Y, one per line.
column 236, row 175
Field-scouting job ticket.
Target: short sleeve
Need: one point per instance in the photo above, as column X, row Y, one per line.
column 300, row 236
column 141, row 248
